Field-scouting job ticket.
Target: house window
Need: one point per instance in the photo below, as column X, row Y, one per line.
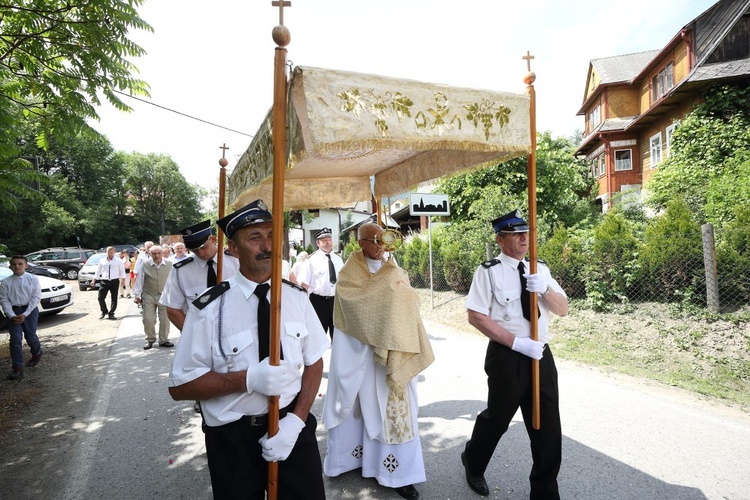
column 662, row 82
column 668, row 133
column 655, row 143
column 595, row 117
column 623, row 160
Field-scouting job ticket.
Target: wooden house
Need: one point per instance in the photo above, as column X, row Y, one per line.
column 632, row 103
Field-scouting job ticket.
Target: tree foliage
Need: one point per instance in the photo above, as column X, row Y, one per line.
column 56, row 58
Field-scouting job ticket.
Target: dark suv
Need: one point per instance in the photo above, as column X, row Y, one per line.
column 68, row 259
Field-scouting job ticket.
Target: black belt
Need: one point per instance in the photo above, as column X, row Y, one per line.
column 327, row 297
column 20, row 307
column 262, row 420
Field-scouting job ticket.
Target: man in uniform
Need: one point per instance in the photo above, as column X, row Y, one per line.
column 222, row 360
column 110, row 271
column 192, row 275
column 148, row 289
column 319, row 278
column 381, row 346
column 498, row 306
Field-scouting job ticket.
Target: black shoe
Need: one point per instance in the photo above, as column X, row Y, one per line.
column 166, row 344
column 15, row 374
column 408, row 491
column 102, row 316
column 148, row 345
column 111, row 316
column 34, row 359
column 476, row 483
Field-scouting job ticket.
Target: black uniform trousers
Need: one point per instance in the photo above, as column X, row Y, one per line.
column 111, row 287
column 509, row 386
column 323, row 306
column 239, row 472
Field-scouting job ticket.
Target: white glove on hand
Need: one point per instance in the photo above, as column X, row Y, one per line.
column 535, row 283
column 266, row 379
column 280, row 446
column 528, row 347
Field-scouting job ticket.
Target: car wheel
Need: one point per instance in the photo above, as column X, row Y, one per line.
column 82, row 288
column 72, row 273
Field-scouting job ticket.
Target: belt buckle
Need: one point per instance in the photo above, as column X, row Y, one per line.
column 257, row 420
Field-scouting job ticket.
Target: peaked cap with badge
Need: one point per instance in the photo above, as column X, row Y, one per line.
column 511, row 222
column 196, row 235
column 324, row 233
column 255, row 212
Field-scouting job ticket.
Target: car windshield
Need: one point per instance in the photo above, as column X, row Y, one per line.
column 94, row 259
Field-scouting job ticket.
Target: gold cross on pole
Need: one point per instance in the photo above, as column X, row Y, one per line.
column 281, row 5
column 528, row 57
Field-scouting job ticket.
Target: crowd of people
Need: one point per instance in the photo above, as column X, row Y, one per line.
column 364, row 310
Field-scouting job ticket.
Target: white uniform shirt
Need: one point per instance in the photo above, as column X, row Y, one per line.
column 110, row 269
column 502, row 302
column 188, row 280
column 315, row 273
column 223, row 337
column 23, row 290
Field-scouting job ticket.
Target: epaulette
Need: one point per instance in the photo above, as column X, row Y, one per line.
column 209, row 295
column 178, row 265
column 538, row 260
column 294, row 285
column 489, row 263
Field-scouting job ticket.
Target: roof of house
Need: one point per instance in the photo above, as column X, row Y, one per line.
column 622, row 68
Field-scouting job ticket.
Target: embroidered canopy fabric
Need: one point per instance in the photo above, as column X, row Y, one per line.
column 344, row 127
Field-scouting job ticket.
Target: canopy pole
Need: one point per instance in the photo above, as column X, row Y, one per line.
column 531, row 174
column 281, row 37
column 222, row 198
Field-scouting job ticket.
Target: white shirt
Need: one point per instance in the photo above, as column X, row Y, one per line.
column 203, row 349
column 142, row 257
column 23, row 290
column 504, row 305
column 110, row 269
column 315, row 273
column 140, row 278
column 188, row 280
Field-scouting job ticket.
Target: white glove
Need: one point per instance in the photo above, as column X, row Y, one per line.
column 535, row 283
column 266, row 379
column 528, row 347
column 280, row 446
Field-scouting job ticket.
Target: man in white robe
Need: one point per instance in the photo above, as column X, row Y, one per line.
column 371, row 406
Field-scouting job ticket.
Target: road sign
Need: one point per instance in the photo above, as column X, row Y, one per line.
column 429, row 204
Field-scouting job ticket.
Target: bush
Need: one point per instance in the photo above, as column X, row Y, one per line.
column 733, row 259
column 563, row 254
column 413, row 258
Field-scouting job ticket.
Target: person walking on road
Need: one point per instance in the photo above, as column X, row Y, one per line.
column 319, row 277
column 498, row 306
column 110, row 271
column 147, row 290
column 381, row 346
column 222, row 360
column 20, row 295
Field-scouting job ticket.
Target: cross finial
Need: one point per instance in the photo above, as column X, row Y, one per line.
column 281, row 5
column 223, row 148
column 528, row 57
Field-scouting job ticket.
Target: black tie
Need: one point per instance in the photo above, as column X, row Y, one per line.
column 211, row 275
column 525, row 294
column 264, row 322
column 331, row 269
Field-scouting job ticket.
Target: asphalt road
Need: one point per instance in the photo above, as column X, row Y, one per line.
column 623, row 438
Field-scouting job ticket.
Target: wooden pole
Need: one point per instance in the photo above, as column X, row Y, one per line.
column 222, row 197
column 531, row 174
column 281, row 37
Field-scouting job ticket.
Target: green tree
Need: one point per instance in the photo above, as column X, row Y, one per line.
column 57, row 57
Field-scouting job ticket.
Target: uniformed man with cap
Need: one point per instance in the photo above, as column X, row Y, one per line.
column 319, row 277
column 498, row 306
column 222, row 360
column 192, row 275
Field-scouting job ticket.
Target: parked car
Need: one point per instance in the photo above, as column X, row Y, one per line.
column 67, row 259
column 48, row 271
column 131, row 249
column 56, row 294
column 87, row 272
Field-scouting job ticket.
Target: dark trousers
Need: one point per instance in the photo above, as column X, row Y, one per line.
column 509, row 384
column 239, row 472
column 108, row 286
column 26, row 330
column 324, row 308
